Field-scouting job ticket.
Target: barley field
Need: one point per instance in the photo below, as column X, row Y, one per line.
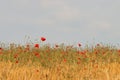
column 59, row 62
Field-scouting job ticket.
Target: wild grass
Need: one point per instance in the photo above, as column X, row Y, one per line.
column 60, row 62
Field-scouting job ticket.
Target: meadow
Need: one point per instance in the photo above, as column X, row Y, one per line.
column 59, row 62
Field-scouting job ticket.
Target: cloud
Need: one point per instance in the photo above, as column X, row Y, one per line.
column 18, row 20
column 62, row 17
column 38, row 13
column 67, row 14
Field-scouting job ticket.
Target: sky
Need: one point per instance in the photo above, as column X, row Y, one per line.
column 60, row 21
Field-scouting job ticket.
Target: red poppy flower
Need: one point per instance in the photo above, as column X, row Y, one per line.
column 36, row 45
column 16, row 55
column 65, row 60
column 27, row 46
column 43, row 38
column 1, row 52
column 0, row 48
column 98, row 44
column 37, row 54
column 78, row 62
column 79, row 44
column 37, row 70
column 16, row 61
column 79, row 59
column 119, row 50
column 56, row 46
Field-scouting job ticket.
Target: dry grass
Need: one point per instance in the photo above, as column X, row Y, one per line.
column 59, row 63
column 11, row 71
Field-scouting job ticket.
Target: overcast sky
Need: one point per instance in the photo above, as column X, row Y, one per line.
column 67, row 21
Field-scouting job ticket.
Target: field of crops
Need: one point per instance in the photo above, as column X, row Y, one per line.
column 59, row 62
